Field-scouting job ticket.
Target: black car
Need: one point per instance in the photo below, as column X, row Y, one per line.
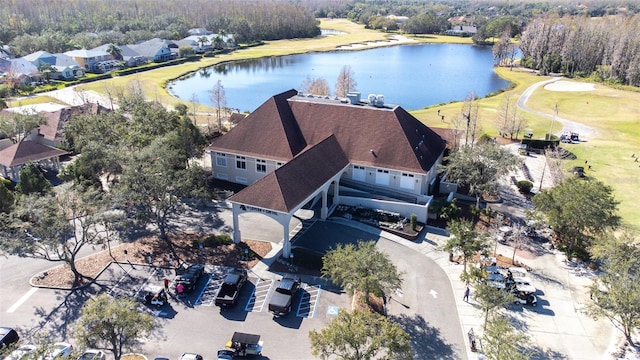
column 188, row 275
column 8, row 336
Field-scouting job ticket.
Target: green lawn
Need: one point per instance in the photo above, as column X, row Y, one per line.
column 613, row 113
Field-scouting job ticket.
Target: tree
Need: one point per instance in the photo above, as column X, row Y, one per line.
column 184, row 51
column 47, row 71
column 507, row 119
column 578, row 211
column 464, row 239
column 360, row 335
column 616, row 293
column 54, row 227
column 32, row 181
column 490, row 299
column 203, row 40
column 18, row 126
column 113, row 324
column 6, row 198
column 346, row 81
column 469, row 119
column 317, row 86
column 361, row 268
column 115, row 51
column 479, row 167
column 219, row 100
column 501, row 340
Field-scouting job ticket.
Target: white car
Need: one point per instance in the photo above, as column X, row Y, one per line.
column 21, row 352
column 92, row 354
column 59, row 350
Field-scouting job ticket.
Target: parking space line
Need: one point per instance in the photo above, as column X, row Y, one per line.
column 207, row 296
column 260, row 295
column 21, row 301
column 309, row 301
column 115, row 286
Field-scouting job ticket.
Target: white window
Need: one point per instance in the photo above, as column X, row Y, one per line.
column 221, row 159
column 407, row 181
column 261, row 166
column 241, row 163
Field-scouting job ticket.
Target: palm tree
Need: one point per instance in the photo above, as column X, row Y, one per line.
column 115, row 52
column 203, row 40
column 217, row 41
column 47, row 71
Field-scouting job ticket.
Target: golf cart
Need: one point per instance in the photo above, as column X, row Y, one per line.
column 153, row 295
column 525, row 295
column 240, row 345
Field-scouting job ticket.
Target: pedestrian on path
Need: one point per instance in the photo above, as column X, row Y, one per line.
column 466, row 294
column 166, row 284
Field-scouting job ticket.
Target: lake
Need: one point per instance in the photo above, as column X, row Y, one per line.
column 412, row 76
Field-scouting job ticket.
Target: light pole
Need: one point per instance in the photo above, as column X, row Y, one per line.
column 553, row 119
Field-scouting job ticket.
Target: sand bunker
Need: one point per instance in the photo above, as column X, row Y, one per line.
column 563, row 85
column 393, row 40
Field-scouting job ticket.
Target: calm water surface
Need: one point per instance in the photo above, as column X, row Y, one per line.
column 412, row 76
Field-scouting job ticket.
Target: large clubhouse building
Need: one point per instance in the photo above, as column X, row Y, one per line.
column 298, row 149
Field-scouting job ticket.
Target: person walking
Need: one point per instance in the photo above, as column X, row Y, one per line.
column 466, row 294
column 166, row 284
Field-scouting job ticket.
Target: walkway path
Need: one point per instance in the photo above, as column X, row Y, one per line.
column 568, row 125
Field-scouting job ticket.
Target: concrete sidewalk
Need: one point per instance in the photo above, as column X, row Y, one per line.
column 556, row 326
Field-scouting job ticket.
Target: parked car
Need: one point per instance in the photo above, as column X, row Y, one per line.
column 282, row 297
column 190, row 356
column 153, row 295
column 8, row 336
column 21, row 352
column 230, row 289
column 188, row 275
column 92, row 354
column 59, row 350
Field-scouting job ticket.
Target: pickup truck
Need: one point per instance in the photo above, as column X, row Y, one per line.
column 188, row 275
column 230, row 289
column 280, row 303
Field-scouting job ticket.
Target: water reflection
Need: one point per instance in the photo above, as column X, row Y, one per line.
column 412, row 76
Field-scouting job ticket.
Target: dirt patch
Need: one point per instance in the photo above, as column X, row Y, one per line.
column 138, row 251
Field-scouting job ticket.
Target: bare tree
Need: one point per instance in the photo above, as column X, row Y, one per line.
column 469, row 113
column 318, row 86
column 219, row 100
column 194, row 105
column 346, row 81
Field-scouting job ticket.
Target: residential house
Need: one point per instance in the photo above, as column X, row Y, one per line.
column 198, row 31
column 52, row 133
column 129, row 56
column 462, row 30
column 5, row 52
column 225, row 41
column 65, row 68
column 14, row 158
column 157, row 50
column 19, row 70
column 94, row 61
column 296, row 149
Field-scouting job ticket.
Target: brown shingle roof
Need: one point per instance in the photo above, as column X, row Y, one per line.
column 269, row 132
column 284, row 125
column 289, row 185
column 27, row 151
column 56, row 120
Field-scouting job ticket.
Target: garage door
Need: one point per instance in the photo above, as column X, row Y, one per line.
column 407, row 181
column 382, row 177
column 359, row 173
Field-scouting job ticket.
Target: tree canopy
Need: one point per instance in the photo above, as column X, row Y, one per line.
column 464, row 239
column 361, row 335
column 578, row 210
column 113, row 324
column 361, row 268
column 32, row 181
column 502, row 340
column 616, row 292
column 346, row 81
column 479, row 167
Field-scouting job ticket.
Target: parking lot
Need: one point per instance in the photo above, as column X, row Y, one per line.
column 311, row 309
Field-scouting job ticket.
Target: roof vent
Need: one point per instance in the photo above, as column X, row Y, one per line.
column 354, row 97
column 376, row 100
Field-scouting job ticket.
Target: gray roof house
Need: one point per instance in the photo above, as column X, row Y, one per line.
column 155, row 49
column 90, row 59
column 20, row 68
column 65, row 67
column 129, row 56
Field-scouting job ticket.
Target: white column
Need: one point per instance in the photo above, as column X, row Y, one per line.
column 336, row 191
column 236, row 225
column 286, row 242
column 324, row 210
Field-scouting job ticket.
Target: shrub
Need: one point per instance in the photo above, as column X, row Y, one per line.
column 414, row 222
column 524, row 186
column 212, row 241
